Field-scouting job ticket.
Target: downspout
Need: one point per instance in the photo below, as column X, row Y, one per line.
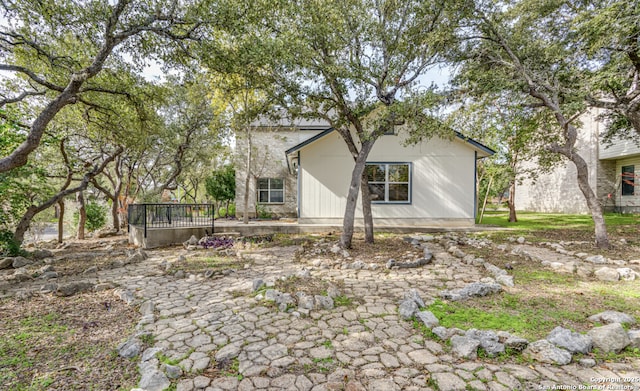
column 298, row 186
column 475, row 186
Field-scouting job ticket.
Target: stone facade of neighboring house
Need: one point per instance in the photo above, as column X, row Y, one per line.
column 557, row 191
column 272, row 187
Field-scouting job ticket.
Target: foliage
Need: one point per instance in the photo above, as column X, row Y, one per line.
column 524, row 50
column 221, row 185
column 96, row 216
column 8, row 246
column 607, row 32
column 263, row 212
column 217, row 242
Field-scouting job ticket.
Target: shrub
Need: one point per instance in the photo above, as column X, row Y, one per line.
column 8, row 246
column 96, row 216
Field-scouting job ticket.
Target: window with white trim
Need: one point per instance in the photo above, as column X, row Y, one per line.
column 270, row 190
column 389, row 182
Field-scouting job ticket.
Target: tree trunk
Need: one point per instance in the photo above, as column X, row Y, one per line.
column 512, row 202
column 82, row 212
column 115, row 208
column 247, row 182
column 366, row 208
column 115, row 215
column 23, row 225
column 61, row 221
column 352, row 197
column 582, row 174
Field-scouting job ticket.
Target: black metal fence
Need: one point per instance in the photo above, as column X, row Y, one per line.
column 171, row 215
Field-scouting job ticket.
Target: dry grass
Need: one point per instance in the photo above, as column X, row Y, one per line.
column 65, row 343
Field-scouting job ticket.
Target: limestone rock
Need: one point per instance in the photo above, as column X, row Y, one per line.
column 545, row 352
column 515, row 343
column 634, row 337
column 609, row 338
column 73, row 288
column 130, row 348
column 91, row 269
column 488, row 339
column 271, row 295
column 407, row 309
column 475, row 289
column 412, row 294
column 306, row 302
column 18, row 262
column 333, row 291
column 428, row 318
column 626, row 274
column 227, row 352
column 323, row 302
column 6, row 263
column 193, row 241
column 598, row 259
column 49, row 275
column 505, row 280
column 103, row 286
column 571, row 341
column 257, row 284
column 126, row 296
column 147, row 308
column 608, row 317
column 20, row 275
column 41, row 253
column 154, row 380
column 607, row 274
column 464, row 347
column 172, row 371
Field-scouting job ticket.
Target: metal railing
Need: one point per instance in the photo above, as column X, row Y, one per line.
column 171, row 215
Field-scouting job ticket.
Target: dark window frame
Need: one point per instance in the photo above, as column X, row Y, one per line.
column 628, row 175
column 386, row 182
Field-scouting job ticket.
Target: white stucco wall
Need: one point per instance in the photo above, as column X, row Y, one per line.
column 442, row 182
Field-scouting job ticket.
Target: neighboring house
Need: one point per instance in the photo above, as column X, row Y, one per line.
column 307, row 175
column 613, row 174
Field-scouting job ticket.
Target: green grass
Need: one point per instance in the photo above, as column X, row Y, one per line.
column 342, row 301
column 531, row 221
column 543, row 276
column 530, row 318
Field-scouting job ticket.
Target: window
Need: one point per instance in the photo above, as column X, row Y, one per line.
column 628, row 180
column 389, row 182
column 270, row 190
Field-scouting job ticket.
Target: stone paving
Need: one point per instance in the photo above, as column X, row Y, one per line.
column 225, row 339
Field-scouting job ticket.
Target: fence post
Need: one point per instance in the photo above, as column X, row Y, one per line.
column 213, row 217
column 145, row 220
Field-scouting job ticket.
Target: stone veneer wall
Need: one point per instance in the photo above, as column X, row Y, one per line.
column 269, row 161
column 606, row 186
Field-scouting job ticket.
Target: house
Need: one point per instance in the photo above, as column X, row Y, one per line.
column 613, row 170
column 304, row 171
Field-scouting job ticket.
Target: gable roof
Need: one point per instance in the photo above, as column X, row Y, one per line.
column 473, row 143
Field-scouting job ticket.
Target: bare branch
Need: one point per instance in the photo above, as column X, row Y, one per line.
column 20, row 97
